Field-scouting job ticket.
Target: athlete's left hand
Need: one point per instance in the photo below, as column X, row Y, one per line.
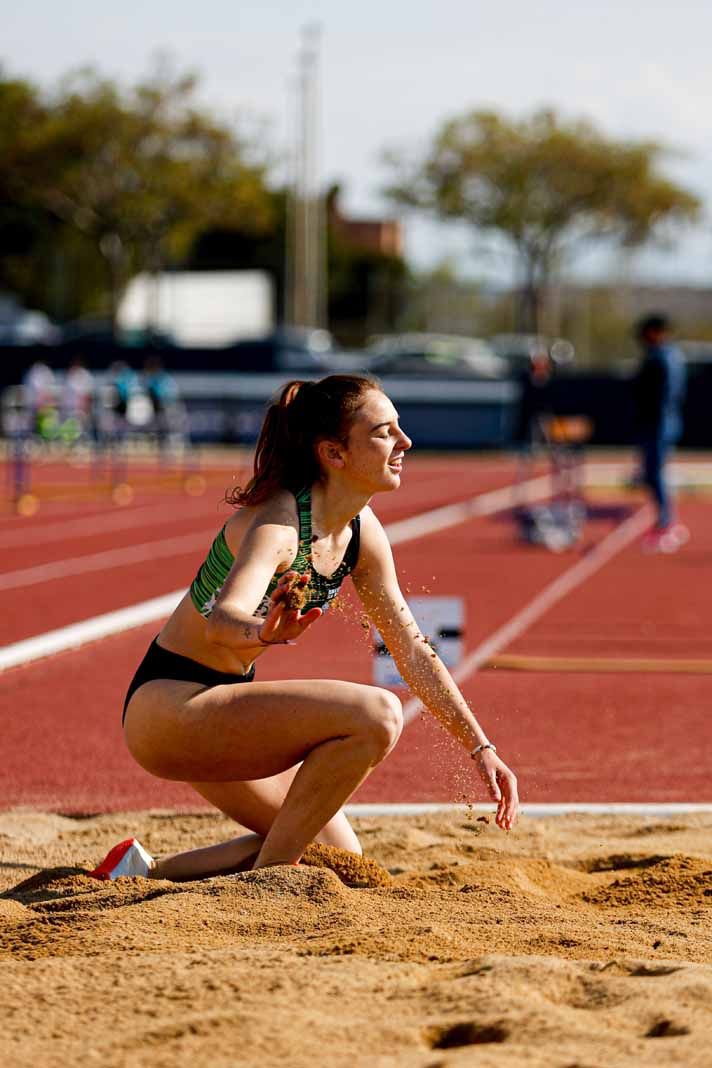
column 283, row 624
column 502, row 786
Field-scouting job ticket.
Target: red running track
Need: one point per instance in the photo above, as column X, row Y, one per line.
column 602, row 737
column 38, row 604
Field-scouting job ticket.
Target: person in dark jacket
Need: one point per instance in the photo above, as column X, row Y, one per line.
column 535, row 400
column 659, row 396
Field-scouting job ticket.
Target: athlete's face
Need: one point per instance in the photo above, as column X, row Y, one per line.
column 376, row 445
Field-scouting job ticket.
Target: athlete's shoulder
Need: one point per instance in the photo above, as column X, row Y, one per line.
column 279, row 509
column 276, row 518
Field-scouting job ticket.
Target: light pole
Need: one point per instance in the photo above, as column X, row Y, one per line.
column 305, row 280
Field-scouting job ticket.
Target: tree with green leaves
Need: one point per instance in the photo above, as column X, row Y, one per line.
column 137, row 174
column 547, row 186
column 22, row 225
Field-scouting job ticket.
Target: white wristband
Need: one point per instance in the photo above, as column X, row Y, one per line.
column 478, row 749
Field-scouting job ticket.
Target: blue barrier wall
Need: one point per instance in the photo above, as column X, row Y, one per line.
column 225, row 405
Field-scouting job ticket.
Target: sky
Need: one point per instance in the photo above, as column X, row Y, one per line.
column 392, row 72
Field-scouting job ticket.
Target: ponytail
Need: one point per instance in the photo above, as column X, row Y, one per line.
column 303, row 414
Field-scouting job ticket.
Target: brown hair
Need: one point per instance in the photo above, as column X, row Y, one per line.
column 303, row 414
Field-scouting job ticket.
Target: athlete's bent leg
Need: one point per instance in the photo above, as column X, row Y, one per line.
column 329, row 775
column 254, row 805
column 238, row 854
column 232, row 733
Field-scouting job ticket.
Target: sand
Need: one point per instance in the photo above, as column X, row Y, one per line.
column 573, row 942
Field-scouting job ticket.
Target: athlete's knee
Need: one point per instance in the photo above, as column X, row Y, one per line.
column 385, row 719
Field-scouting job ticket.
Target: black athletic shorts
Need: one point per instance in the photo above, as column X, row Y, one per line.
column 159, row 663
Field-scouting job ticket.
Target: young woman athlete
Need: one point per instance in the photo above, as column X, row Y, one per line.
column 282, row 758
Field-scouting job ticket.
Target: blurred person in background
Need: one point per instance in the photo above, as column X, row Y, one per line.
column 124, row 384
column 659, row 395
column 534, row 407
column 39, row 386
column 76, row 400
column 160, row 386
column 162, row 391
column 128, row 399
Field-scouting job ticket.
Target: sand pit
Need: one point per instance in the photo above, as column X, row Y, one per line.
column 574, row 941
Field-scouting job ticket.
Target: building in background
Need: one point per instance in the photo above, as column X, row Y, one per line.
column 382, row 237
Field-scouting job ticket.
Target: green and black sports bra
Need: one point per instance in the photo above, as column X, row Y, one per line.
column 320, row 591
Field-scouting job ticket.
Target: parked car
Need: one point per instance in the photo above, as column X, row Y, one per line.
column 519, row 349
column 286, row 349
column 20, row 326
column 92, row 332
column 434, row 355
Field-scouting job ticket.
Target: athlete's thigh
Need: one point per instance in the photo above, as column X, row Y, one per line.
column 240, row 731
column 255, row 804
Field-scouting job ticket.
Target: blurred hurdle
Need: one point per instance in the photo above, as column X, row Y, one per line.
column 566, row 436
column 15, row 419
column 116, row 458
column 558, row 523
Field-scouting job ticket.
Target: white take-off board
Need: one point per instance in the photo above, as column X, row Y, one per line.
column 441, row 620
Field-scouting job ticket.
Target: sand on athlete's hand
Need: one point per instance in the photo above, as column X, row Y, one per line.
column 294, row 594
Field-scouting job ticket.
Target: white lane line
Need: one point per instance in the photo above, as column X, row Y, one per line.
column 93, row 525
column 103, row 561
column 606, row 549
column 425, row 808
column 76, row 634
column 404, row 530
column 57, row 641
column 450, row 515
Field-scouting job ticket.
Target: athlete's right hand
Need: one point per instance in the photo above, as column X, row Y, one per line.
column 281, row 623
